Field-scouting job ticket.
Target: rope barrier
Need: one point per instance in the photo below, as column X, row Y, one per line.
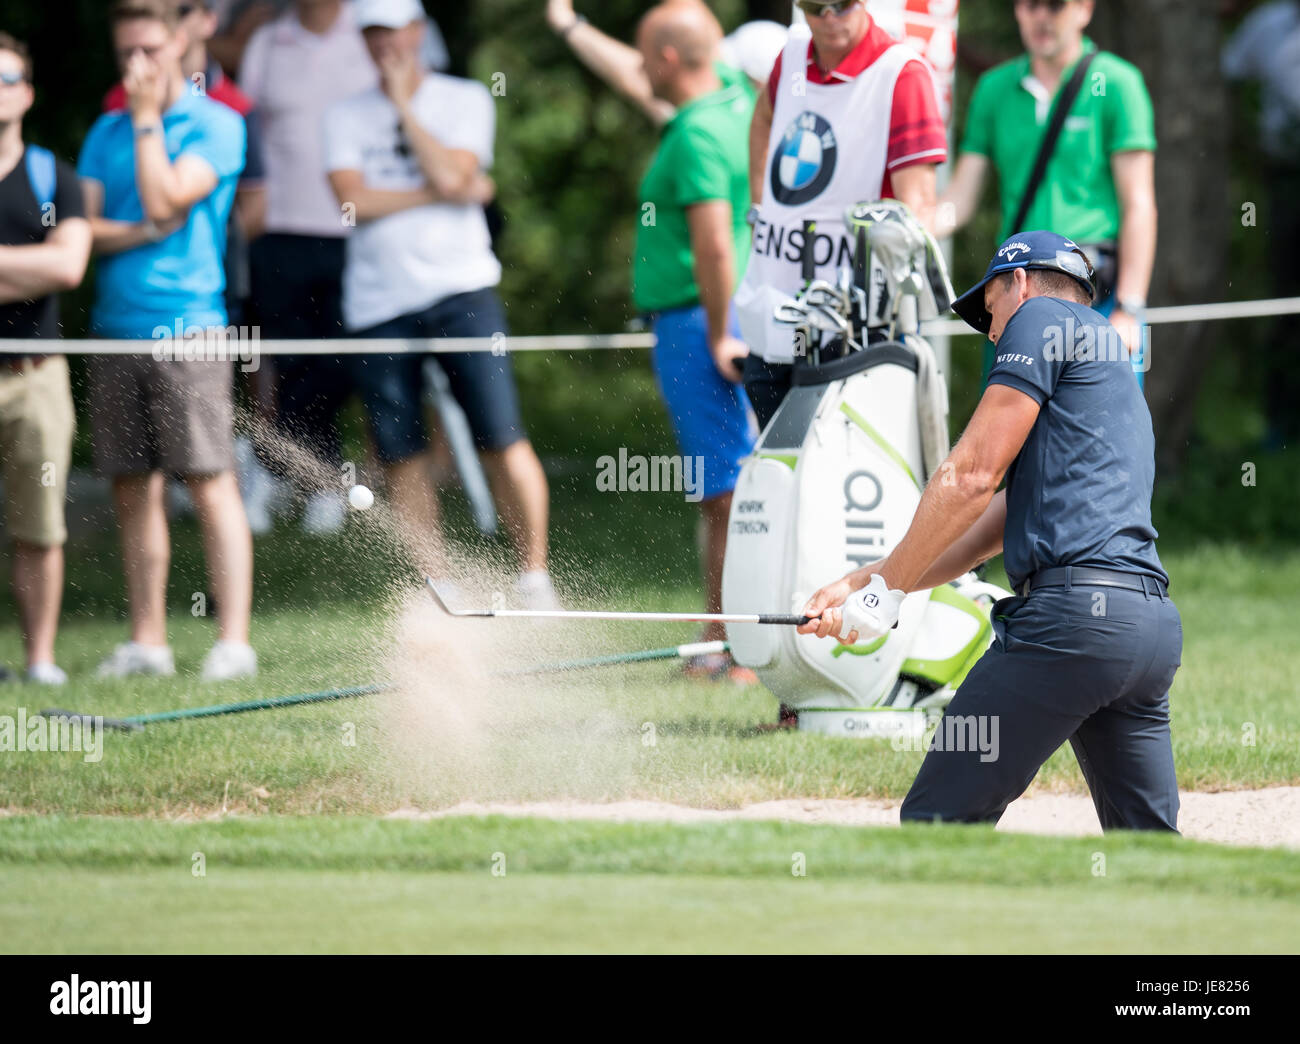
column 243, row 343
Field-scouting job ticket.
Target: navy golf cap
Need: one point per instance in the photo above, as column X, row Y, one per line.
column 1026, row 250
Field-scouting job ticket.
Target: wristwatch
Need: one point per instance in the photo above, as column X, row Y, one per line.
column 144, row 130
column 751, row 216
column 1135, row 306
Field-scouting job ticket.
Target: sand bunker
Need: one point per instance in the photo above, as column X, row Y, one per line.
column 1264, row 818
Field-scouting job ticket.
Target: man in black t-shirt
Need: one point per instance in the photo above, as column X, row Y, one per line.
column 44, row 246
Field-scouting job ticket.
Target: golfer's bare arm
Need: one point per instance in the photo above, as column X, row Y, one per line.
column 1134, row 173
column 973, row 548
column 616, row 63
column 961, row 492
column 760, row 131
column 916, row 187
column 59, row 263
column 960, row 200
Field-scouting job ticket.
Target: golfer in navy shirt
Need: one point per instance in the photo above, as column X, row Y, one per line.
column 1088, row 646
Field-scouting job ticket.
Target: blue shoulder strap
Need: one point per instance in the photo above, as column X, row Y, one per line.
column 42, row 174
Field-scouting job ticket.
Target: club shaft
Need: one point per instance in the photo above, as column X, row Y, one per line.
column 557, row 614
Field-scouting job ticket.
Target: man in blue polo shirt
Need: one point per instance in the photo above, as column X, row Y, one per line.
column 1088, row 646
column 159, row 180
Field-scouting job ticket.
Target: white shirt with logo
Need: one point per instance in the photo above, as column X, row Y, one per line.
column 826, row 152
column 412, row 259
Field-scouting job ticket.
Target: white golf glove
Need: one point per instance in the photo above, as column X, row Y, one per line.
column 872, row 611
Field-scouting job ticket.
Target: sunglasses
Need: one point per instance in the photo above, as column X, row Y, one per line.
column 1053, row 6
column 810, row 7
column 11, row 79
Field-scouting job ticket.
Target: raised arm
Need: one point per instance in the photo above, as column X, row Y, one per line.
column 616, row 63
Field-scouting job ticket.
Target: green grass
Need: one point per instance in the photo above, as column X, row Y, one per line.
column 324, row 619
column 273, row 884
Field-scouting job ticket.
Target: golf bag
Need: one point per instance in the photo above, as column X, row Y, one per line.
column 834, row 482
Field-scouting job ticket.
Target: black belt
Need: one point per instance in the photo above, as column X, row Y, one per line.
column 1093, row 576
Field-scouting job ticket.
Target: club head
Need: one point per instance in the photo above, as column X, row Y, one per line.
column 792, row 312
column 828, row 321
column 442, row 602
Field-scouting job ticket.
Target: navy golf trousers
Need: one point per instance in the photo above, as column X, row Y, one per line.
column 1091, row 665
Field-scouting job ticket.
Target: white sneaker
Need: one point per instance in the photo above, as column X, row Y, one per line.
column 324, row 514
column 535, row 591
column 46, row 674
column 227, row 661
column 132, row 658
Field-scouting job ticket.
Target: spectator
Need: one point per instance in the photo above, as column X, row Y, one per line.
column 1099, row 186
column 688, row 261
column 238, row 20
column 293, row 69
column 159, row 181
column 44, row 246
column 850, row 115
column 1266, row 47
column 737, row 59
column 410, row 157
column 197, row 18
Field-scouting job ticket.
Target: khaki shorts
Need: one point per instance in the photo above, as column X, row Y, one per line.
column 36, row 426
column 149, row 414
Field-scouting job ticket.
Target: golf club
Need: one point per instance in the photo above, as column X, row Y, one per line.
column 784, row 619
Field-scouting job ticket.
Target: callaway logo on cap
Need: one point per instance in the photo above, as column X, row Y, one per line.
column 1026, row 250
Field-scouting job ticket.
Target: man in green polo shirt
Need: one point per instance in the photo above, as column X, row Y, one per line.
column 1099, row 187
column 692, row 241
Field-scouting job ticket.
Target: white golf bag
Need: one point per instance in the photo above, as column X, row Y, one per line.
column 833, row 484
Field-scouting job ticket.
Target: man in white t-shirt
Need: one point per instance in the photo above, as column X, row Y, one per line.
column 408, row 160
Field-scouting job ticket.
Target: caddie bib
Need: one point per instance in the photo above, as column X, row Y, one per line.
column 826, row 152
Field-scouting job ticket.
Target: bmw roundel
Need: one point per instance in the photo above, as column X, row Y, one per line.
column 804, row 162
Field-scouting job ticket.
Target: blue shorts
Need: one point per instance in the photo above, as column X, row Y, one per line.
column 392, row 386
column 709, row 414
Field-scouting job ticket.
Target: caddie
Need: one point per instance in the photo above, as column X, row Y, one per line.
column 849, row 115
column 1088, row 646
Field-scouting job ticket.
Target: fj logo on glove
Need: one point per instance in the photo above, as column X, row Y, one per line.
column 871, row 601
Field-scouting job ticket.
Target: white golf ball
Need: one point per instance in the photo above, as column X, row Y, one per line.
column 361, row 498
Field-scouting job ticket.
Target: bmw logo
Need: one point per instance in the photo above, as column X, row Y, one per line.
column 804, row 162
